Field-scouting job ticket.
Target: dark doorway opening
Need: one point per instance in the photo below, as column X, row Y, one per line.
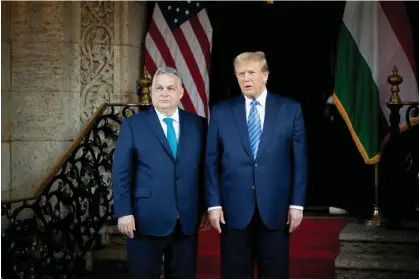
column 299, row 40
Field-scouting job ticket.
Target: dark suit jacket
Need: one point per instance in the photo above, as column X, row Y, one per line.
column 276, row 179
column 147, row 180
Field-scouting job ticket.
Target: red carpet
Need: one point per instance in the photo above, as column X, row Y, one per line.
column 314, row 247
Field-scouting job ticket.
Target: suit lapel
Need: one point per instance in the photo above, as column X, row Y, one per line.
column 239, row 110
column 269, row 123
column 154, row 122
column 184, row 131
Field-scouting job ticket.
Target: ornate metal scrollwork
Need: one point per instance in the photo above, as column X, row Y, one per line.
column 404, row 155
column 412, row 112
column 48, row 237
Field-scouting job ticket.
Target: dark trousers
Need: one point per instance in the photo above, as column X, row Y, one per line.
column 256, row 244
column 145, row 255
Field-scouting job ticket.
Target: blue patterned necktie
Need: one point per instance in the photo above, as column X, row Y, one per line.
column 254, row 127
column 171, row 135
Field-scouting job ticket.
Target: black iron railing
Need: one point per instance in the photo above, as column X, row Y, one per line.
column 49, row 235
column 402, row 153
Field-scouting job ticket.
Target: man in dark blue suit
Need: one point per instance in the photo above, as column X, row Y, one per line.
column 157, row 183
column 255, row 174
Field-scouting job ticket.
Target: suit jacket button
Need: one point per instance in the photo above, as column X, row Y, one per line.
column 253, row 187
column 256, row 165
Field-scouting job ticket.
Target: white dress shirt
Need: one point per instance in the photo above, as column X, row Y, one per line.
column 261, row 107
column 163, row 124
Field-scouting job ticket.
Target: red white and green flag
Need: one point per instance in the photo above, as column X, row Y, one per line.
column 374, row 37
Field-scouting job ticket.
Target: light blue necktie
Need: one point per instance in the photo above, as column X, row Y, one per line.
column 171, row 135
column 254, row 127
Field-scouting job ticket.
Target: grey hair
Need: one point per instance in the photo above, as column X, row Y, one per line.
column 168, row 71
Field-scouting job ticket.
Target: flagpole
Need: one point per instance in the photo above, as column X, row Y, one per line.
column 395, row 80
column 376, row 219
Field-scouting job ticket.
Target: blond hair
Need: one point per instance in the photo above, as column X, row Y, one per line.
column 257, row 56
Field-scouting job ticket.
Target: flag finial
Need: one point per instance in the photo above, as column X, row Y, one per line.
column 395, row 80
column 145, row 83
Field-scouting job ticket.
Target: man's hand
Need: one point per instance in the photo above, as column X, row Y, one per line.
column 216, row 216
column 205, row 223
column 295, row 216
column 126, row 225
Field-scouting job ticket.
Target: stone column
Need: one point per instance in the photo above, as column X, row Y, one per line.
column 111, row 46
column 67, row 58
column 5, row 100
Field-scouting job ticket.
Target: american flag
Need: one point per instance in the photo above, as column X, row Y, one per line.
column 180, row 36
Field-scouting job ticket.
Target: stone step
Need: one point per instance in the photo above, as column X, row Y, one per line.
column 357, row 238
column 110, row 234
column 376, row 252
column 354, row 232
column 378, row 248
column 362, row 265
column 110, row 269
column 112, row 252
column 365, row 274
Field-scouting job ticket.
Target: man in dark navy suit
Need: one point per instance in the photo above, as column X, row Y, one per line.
column 157, row 183
column 256, row 177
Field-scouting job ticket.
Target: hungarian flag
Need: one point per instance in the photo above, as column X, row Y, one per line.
column 374, row 38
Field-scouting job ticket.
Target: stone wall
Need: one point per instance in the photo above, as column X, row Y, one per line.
column 60, row 62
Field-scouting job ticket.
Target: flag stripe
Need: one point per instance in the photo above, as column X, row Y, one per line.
column 357, row 96
column 152, row 59
column 368, row 49
column 397, row 16
column 171, row 50
column 198, row 57
column 360, row 19
column 393, row 55
column 202, row 39
column 193, row 42
column 167, row 39
column 192, row 66
column 160, row 45
column 371, row 38
column 206, row 25
column 180, row 37
column 151, row 68
column 157, row 59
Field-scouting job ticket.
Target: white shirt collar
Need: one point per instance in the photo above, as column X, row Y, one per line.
column 175, row 115
column 261, row 99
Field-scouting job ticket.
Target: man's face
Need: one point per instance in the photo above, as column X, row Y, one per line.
column 166, row 92
column 251, row 78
